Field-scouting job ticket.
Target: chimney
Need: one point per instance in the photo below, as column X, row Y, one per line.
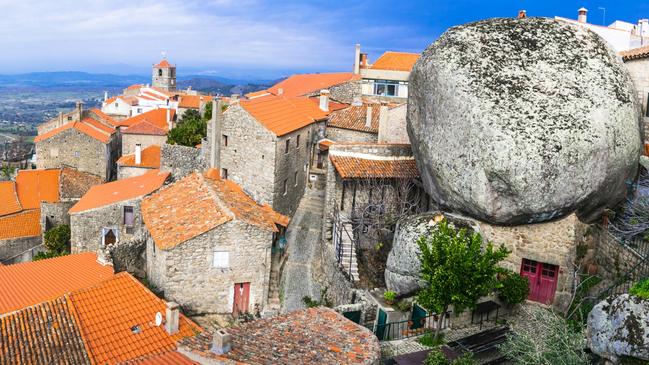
column 215, row 134
column 383, row 122
column 169, row 124
column 105, row 95
column 582, row 15
column 280, row 91
column 60, row 119
column 522, row 14
column 357, row 59
column 643, row 28
column 138, row 154
column 172, row 314
column 368, row 116
column 80, row 109
column 221, row 342
column 324, row 100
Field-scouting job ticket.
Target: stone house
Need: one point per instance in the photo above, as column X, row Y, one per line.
column 146, row 129
column 87, row 145
column 110, row 213
column 192, row 102
column 76, row 115
column 343, row 86
column 119, row 107
column 387, row 78
column 265, row 146
column 220, row 263
column 140, row 162
column 637, row 62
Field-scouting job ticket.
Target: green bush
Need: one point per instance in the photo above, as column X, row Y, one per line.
column 514, row 288
column 436, row 357
column 47, row 255
column 429, row 339
column 189, row 131
column 390, row 295
column 641, row 289
column 466, row 359
column 57, row 240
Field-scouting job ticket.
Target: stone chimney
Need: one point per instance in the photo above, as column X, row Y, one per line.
column 368, row 116
column 522, row 14
column 60, row 119
column 80, row 109
column 221, row 342
column 169, row 123
column 357, row 59
column 172, row 318
column 138, row 154
column 582, row 15
column 215, row 134
column 324, row 100
column 383, row 122
column 357, row 101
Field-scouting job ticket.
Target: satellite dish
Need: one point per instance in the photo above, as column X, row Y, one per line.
column 158, row 319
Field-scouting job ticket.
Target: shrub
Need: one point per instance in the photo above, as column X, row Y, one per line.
column 640, row 289
column 57, row 240
column 514, row 288
column 466, row 359
column 390, row 296
column 189, row 131
column 429, row 339
column 436, row 357
column 47, row 255
column 310, row 302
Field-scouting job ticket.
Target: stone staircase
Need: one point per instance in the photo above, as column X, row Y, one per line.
column 274, row 302
column 347, row 259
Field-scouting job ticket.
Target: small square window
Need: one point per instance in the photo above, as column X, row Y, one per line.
column 116, row 105
column 221, row 259
column 69, row 117
column 129, row 216
column 224, row 174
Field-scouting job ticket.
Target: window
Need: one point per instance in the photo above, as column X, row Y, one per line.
column 224, row 140
column 297, row 142
column 69, row 117
column 295, row 178
column 288, row 144
column 129, row 216
column 108, row 236
column 285, row 186
column 139, row 110
column 224, row 173
column 386, row 88
column 116, row 105
column 529, row 266
column 159, row 72
column 221, row 259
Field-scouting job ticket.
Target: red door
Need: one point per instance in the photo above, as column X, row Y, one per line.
column 542, row 278
column 241, row 298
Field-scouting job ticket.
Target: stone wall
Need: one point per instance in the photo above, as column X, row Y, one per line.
column 345, row 92
column 612, row 257
column 181, row 160
column 75, row 149
column 393, row 128
column 639, row 71
column 348, row 135
column 128, row 256
column 12, row 247
column 130, row 140
column 86, row 227
column 187, row 276
column 124, row 172
column 55, row 214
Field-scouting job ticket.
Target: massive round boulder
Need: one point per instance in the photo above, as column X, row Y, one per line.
column 517, row 121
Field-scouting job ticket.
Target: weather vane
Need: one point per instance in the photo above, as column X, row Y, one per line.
column 164, row 54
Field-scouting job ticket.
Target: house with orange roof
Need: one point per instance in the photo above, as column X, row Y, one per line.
column 109, row 214
column 145, row 133
column 387, row 78
column 138, row 163
column 342, row 86
column 210, row 245
column 193, row 102
column 119, row 107
column 76, row 115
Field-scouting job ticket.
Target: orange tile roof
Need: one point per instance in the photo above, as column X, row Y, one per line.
column 8, row 198
column 635, row 53
column 349, row 167
column 74, row 183
column 120, row 190
column 88, row 126
column 193, row 101
column 333, row 105
column 117, row 317
column 157, row 117
column 104, row 117
column 111, row 99
column 171, row 214
column 354, row 118
column 167, row 358
column 30, row 283
column 135, row 86
column 146, row 128
column 150, row 158
column 396, row 61
column 303, row 84
column 35, row 186
column 164, row 63
column 324, row 144
column 281, row 115
column 26, row 223
column 256, row 94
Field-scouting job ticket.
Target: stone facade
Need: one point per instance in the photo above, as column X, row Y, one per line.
column 11, row 249
column 393, row 128
column 78, row 150
column 187, row 275
column 55, row 214
column 348, row 135
column 86, row 227
column 130, row 140
column 639, row 71
column 127, row 256
column 124, row 172
column 345, row 92
column 181, row 160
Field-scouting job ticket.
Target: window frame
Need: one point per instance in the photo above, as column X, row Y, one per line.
column 225, row 258
column 132, row 208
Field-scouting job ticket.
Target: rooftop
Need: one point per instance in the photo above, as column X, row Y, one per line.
column 120, row 190
column 164, row 63
column 35, row 186
column 635, row 53
column 355, row 117
column 145, row 127
column 26, row 223
column 150, row 158
column 88, row 126
column 157, row 117
column 197, row 204
column 193, row 101
column 361, row 166
column 396, row 61
column 281, row 115
column 8, row 198
column 303, row 84
column 74, row 183
column 30, row 283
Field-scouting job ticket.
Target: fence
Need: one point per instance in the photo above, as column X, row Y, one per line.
column 410, row 328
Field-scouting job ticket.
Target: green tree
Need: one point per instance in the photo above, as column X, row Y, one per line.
column 57, row 240
column 457, row 269
column 207, row 115
column 7, row 171
column 189, row 131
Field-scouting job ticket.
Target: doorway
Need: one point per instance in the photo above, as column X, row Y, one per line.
column 241, row 298
column 542, row 278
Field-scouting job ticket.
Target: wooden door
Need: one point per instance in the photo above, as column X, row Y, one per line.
column 542, row 278
column 241, row 298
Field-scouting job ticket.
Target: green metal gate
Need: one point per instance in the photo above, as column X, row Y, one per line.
column 381, row 324
column 418, row 316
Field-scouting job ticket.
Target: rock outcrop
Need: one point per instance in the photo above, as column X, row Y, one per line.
column 619, row 326
column 516, row 121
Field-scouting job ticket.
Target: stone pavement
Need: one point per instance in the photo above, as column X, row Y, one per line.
column 302, row 236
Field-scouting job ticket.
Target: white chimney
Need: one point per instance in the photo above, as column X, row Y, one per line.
column 383, row 123
column 221, row 342
column 582, row 15
column 357, row 59
column 138, row 153
column 169, row 124
column 324, row 100
column 105, row 95
column 368, row 117
column 172, row 318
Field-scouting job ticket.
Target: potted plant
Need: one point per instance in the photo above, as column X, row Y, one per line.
column 390, row 297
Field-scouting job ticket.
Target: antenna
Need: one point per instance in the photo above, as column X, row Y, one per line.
column 158, row 319
column 603, row 15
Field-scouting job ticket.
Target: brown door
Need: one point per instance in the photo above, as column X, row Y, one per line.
column 542, row 279
column 241, row 298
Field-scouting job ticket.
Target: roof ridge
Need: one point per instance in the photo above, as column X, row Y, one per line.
column 216, row 197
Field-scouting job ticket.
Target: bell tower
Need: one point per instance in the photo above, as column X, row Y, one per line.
column 164, row 75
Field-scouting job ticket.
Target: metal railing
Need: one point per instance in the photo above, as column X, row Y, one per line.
column 339, row 233
column 410, row 328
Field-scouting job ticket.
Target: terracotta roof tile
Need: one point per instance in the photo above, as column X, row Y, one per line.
column 197, row 204
column 135, row 86
column 303, row 84
column 117, row 316
column 120, row 190
column 256, row 94
column 74, row 183
column 150, row 158
column 355, row 117
column 324, row 144
column 8, row 198
column 164, row 63
column 30, row 283
column 157, row 117
column 34, row 186
column 146, row 128
column 167, row 358
column 635, row 53
column 46, row 333
column 103, row 116
column 193, row 101
column 88, row 126
column 282, row 115
column 26, row 223
column 365, row 168
column 396, row 61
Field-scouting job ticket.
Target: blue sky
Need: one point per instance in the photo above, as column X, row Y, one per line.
column 245, row 38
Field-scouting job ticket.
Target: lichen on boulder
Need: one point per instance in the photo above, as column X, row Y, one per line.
column 517, row 121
